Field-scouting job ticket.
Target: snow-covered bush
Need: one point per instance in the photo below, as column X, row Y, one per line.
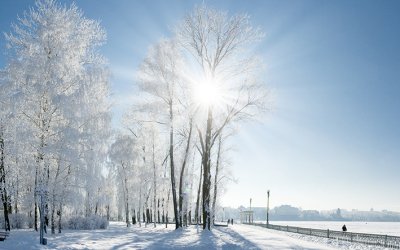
column 17, row 221
column 85, row 223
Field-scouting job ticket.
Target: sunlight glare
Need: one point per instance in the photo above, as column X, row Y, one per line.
column 206, row 93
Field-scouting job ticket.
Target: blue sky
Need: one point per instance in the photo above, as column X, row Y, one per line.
column 335, row 65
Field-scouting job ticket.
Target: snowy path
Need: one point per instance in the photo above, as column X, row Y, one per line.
column 265, row 239
column 118, row 237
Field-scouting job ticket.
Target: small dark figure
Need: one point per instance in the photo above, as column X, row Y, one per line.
column 231, row 221
column 344, row 228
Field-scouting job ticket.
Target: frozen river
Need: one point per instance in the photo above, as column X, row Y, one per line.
column 387, row 228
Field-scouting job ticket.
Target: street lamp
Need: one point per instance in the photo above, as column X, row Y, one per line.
column 268, row 208
column 43, row 196
column 250, row 212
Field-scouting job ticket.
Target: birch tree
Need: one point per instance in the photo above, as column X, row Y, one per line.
column 228, row 86
column 4, row 140
column 160, row 81
column 123, row 155
column 59, row 88
column 223, row 173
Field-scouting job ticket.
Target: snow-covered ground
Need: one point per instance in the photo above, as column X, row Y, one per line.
column 118, row 236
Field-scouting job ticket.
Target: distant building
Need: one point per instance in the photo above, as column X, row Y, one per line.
column 310, row 215
column 286, row 212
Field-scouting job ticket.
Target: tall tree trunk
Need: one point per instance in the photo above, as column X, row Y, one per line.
column 16, row 196
column 186, row 217
column 53, row 205
column 4, row 197
column 196, row 213
column 87, row 204
column 53, row 209
column 163, row 214
column 171, row 157
column 126, row 194
column 147, row 215
column 190, row 202
column 108, row 212
column 158, row 210
column 127, row 213
column 166, row 217
column 134, row 217
column 216, row 178
column 155, row 185
column 10, row 211
column 147, row 208
column 140, row 203
column 183, row 171
column 35, row 198
column 5, row 206
column 46, row 206
column 60, row 217
column 62, row 198
column 144, row 216
column 207, row 173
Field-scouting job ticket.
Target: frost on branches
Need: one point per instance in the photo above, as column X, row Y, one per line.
column 57, row 88
column 217, row 43
column 192, row 93
column 202, row 80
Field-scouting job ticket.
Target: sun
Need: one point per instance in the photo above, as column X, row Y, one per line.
column 207, row 93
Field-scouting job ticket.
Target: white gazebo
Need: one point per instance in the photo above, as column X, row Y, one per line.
column 246, row 216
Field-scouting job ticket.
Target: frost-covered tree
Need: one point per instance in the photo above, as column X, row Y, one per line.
column 123, row 155
column 222, row 172
column 59, row 89
column 162, row 86
column 229, row 89
column 5, row 156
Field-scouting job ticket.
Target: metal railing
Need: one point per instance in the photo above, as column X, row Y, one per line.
column 370, row 239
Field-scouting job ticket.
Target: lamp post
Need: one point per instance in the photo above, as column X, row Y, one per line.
column 250, row 212
column 43, row 196
column 268, row 208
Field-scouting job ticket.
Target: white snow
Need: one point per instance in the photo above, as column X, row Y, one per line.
column 262, row 236
column 118, row 236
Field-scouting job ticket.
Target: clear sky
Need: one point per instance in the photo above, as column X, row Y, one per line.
column 335, row 65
